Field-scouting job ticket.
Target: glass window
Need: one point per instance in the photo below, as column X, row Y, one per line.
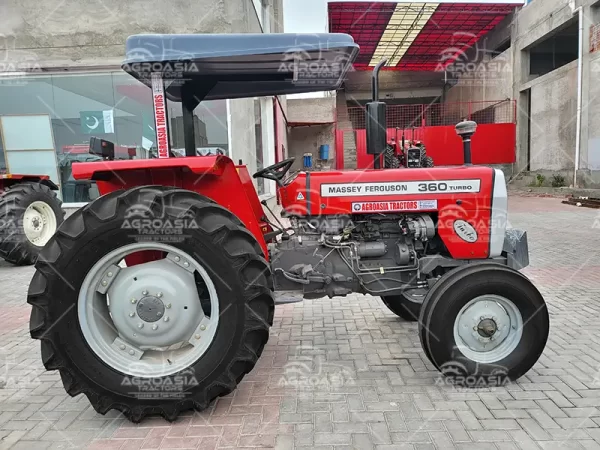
column 110, row 105
column 210, row 127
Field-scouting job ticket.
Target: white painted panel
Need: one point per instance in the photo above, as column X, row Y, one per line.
column 27, row 132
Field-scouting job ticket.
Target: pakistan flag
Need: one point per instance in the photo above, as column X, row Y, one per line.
column 97, row 122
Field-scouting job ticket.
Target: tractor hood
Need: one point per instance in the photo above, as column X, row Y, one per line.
column 217, row 66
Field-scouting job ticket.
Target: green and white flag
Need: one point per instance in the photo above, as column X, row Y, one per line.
column 97, row 122
column 148, row 131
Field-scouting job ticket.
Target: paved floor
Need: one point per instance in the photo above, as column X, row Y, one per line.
column 346, row 373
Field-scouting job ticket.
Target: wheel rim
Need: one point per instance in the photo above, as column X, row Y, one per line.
column 39, row 223
column 488, row 328
column 148, row 320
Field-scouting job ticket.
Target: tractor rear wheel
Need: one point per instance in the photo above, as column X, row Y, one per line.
column 481, row 325
column 151, row 301
column 403, row 306
column 30, row 213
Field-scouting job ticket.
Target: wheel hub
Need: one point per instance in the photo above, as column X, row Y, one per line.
column 147, row 320
column 487, row 328
column 154, row 304
column 39, row 223
column 150, row 309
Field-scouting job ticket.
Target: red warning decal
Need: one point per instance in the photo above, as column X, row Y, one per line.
column 410, row 205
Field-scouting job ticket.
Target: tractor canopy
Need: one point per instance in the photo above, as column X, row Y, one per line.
column 219, row 66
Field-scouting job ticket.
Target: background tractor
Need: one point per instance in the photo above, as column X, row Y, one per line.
column 30, row 213
column 164, row 286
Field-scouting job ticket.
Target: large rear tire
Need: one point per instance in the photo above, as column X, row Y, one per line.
column 159, row 337
column 483, row 324
column 30, row 213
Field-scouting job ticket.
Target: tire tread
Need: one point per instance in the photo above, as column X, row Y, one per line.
column 206, row 212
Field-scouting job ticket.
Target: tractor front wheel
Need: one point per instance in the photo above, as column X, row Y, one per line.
column 483, row 324
column 407, row 305
column 30, row 213
column 151, row 301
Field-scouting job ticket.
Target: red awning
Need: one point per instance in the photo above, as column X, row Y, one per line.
column 417, row 36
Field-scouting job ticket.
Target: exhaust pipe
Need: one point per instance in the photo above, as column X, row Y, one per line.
column 376, row 121
column 465, row 130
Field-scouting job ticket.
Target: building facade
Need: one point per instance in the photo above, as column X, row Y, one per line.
column 61, row 84
column 546, row 56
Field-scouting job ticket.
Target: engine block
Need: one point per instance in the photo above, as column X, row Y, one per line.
column 337, row 255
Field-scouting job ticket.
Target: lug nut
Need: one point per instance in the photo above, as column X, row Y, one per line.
column 168, row 305
column 482, row 318
column 133, row 300
column 104, row 282
column 177, row 258
column 155, row 327
column 475, row 328
column 203, row 327
column 166, row 319
column 159, row 314
column 131, row 314
column 186, row 264
column 122, row 347
column 159, row 295
column 144, row 292
column 141, row 325
column 109, row 274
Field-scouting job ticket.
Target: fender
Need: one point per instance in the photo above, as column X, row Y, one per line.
column 215, row 177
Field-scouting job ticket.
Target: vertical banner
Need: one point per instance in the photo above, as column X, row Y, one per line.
column 160, row 115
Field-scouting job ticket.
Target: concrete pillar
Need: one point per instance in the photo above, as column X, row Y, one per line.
column 585, row 113
column 520, row 74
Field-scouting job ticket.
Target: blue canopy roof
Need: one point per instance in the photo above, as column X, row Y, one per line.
column 215, row 66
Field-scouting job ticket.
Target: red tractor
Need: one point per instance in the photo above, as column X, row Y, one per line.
column 30, row 213
column 158, row 296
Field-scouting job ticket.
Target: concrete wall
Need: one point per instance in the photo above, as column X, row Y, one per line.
column 491, row 80
column 590, row 158
column 64, row 33
column 394, row 85
column 553, row 112
column 308, row 140
column 311, row 110
column 553, row 95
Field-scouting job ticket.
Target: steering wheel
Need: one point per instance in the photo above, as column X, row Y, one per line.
column 276, row 172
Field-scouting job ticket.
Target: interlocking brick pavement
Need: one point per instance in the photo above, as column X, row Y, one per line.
column 347, row 374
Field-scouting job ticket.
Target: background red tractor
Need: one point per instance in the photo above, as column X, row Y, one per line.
column 158, row 296
column 30, row 213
